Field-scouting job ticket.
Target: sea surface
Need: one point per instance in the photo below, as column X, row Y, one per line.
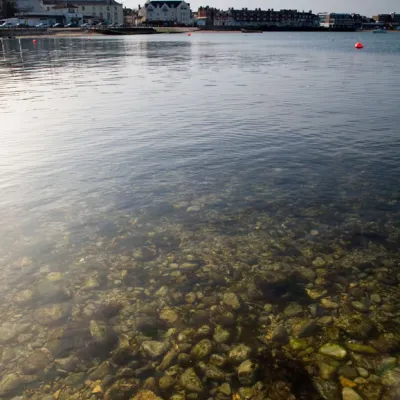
column 152, row 186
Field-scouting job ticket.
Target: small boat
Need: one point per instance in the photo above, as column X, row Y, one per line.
column 379, row 31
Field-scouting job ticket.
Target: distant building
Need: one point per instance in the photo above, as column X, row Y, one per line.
column 169, row 12
column 389, row 20
column 337, row 21
column 241, row 18
column 92, row 11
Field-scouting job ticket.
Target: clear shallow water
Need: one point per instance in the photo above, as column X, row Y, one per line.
column 241, row 154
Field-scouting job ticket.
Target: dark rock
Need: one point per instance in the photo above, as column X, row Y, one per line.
column 304, row 328
column 122, row 389
column 247, row 372
column 35, row 362
column 328, row 390
column 348, row 372
column 356, row 326
column 190, row 381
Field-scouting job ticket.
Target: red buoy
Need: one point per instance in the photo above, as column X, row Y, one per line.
column 189, row 34
column 34, row 41
column 359, row 45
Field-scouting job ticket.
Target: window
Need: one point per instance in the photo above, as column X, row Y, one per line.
column 108, row 8
column 48, row 8
column 83, row 8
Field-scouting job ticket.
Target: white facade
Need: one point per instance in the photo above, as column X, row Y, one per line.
column 171, row 12
column 110, row 13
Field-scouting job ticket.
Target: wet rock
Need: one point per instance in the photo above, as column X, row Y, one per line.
column 387, row 342
column 305, row 274
column 190, row 298
column 232, row 300
column 221, row 335
column 371, row 391
column 154, row 349
column 319, row 262
column 93, row 282
column 333, row 350
column 239, row 353
column 304, row 328
column 327, row 368
column 52, row 314
column 24, row 296
column 100, row 372
column 8, row 355
column 186, row 335
column 350, row 394
column 35, row 362
column 202, row 349
column 218, row 359
column 122, row 389
column 184, row 359
column 225, row 318
column 355, row 326
column 348, row 372
column 7, row 334
column 247, row 372
column 363, row 372
column 360, row 306
column 10, row 383
column 190, row 381
column 168, row 315
column 145, row 254
column 166, row 382
column 169, row 358
column 101, row 333
column 204, row 331
column 329, row 304
column 391, row 377
column 375, row 298
column 145, row 395
column 316, row 293
column 361, row 348
column 150, row 384
column 298, row 344
column 225, row 389
column 280, row 335
column 213, row 373
column 47, row 291
column 75, row 380
column 293, row 310
column 188, row 266
column 328, row 390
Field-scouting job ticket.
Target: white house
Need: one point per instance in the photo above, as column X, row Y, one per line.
column 169, row 12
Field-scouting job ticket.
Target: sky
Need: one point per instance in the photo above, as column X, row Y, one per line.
column 364, row 7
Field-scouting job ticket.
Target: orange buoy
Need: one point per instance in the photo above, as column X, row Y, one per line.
column 34, row 41
column 359, row 45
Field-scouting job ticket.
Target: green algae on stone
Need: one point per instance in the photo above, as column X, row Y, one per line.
column 333, row 350
column 361, row 348
column 202, row 349
column 190, row 381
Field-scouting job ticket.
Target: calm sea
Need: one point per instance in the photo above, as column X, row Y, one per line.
column 237, row 154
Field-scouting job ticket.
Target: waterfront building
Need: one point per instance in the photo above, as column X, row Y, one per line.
column 389, row 20
column 241, row 18
column 170, row 12
column 337, row 20
column 92, row 11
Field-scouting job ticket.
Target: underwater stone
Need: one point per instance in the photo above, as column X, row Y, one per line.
column 350, row 394
column 145, row 395
column 51, row 314
column 203, row 331
column 304, row 328
column 75, row 380
column 371, row 391
column 122, row 389
column 10, row 383
column 232, row 300
column 375, row 298
column 169, row 358
column 316, row 293
column 356, row 326
column 101, row 333
column 190, row 298
column 221, row 335
column 25, row 296
column 190, row 381
column 387, row 342
column 202, row 349
column 327, row 368
column 154, row 349
column 280, row 335
column 327, row 389
column 361, row 348
column 305, row 274
column 168, row 315
column 391, row 377
column 293, row 310
column 7, row 334
column 328, row 304
column 298, row 344
column 239, row 353
column 218, row 359
column 319, row 262
column 214, row 373
column 359, row 306
column 247, row 372
column 348, row 372
column 166, row 382
column 34, row 362
column 333, row 350
column 225, row 389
